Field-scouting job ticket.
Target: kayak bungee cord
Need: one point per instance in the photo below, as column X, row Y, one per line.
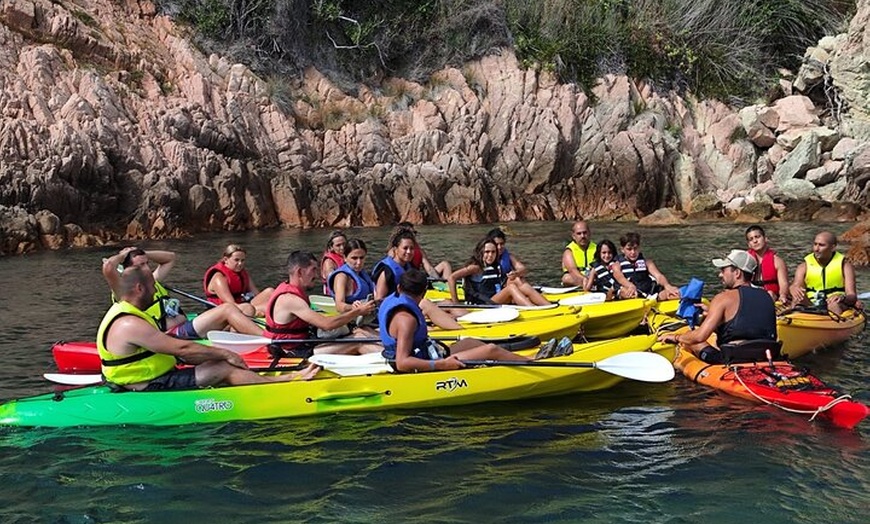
column 814, row 413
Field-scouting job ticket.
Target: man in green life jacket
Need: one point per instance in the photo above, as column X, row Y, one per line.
column 578, row 255
column 138, row 356
column 825, row 277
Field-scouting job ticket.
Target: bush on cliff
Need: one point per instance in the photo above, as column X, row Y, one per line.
column 711, row 47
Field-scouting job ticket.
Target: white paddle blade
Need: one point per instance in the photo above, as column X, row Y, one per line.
column 490, row 316
column 533, row 308
column 638, row 365
column 322, row 302
column 558, row 290
column 68, row 379
column 237, row 342
column 585, row 299
column 352, row 365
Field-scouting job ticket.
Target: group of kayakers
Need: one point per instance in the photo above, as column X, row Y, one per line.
column 146, row 331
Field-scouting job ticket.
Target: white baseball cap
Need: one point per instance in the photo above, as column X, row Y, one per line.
column 739, row 259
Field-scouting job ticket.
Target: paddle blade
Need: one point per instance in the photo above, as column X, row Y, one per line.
column 585, row 299
column 638, row 365
column 73, row 380
column 489, row 316
column 237, row 342
column 352, row 365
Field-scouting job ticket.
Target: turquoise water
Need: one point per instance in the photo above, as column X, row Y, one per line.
column 673, row 452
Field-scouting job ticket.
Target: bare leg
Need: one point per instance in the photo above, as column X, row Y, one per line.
column 262, row 300
column 442, row 269
column 473, row 349
column 226, row 315
column 221, row 372
column 532, row 294
column 438, row 316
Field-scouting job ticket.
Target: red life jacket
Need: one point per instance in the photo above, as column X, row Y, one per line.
column 296, row 328
column 417, row 260
column 765, row 274
column 239, row 283
column 338, row 260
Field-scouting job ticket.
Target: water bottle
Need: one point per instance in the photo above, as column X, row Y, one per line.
column 820, row 300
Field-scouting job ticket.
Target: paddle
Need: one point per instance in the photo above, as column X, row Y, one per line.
column 71, row 379
column 191, row 296
column 497, row 306
column 241, row 343
column 489, row 316
column 585, row 299
column 635, row 365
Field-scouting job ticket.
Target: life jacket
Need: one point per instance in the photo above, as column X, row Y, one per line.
column 141, row 365
column 387, row 309
column 480, row 288
column 504, row 262
column 638, row 274
column 417, row 259
column 755, row 318
column 604, row 280
column 296, row 328
column 363, row 283
column 582, row 258
column 828, row 279
column 163, row 308
column 765, row 273
column 338, row 260
column 239, row 283
column 393, row 272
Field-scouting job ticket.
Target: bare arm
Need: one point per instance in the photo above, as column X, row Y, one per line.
column 520, row 269
column 327, row 267
column 658, row 275
column 340, row 289
column 402, row 327
column 781, row 278
column 715, row 316
column 165, row 261
column 627, row 289
column 219, row 286
column 110, row 269
column 288, row 306
column 568, row 263
column 129, row 332
column 798, row 290
column 381, row 288
column 453, row 278
column 851, row 296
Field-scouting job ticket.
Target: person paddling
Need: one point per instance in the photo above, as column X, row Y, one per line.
column 405, row 336
column 136, row 355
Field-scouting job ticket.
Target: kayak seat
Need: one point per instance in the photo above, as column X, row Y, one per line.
column 750, row 351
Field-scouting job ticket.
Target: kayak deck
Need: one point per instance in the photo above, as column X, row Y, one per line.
column 781, row 385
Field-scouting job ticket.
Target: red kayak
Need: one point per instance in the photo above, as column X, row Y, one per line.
column 779, row 384
column 82, row 357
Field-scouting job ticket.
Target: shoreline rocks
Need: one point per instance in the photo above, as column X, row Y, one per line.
column 113, row 126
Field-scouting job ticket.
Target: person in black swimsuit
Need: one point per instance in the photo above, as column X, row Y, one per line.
column 739, row 313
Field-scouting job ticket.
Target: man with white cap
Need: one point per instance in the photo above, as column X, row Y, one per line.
column 739, row 313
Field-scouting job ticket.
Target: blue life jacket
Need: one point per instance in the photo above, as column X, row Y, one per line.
column 386, row 310
column 365, row 286
column 393, row 272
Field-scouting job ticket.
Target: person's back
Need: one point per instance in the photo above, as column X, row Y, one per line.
column 755, row 318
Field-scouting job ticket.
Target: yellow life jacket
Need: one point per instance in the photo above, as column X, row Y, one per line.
column 163, row 307
column 140, row 366
column 582, row 259
column 829, row 278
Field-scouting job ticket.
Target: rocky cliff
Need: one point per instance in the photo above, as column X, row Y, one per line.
column 112, row 124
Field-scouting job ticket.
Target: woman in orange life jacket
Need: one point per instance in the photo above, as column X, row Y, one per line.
column 772, row 273
column 333, row 257
column 228, row 281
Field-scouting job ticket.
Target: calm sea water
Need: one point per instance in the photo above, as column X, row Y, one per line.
column 673, row 452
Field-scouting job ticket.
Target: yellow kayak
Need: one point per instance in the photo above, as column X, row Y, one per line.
column 555, row 326
column 802, row 333
column 99, row 405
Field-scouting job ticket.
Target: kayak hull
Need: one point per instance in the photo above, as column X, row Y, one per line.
column 325, row 394
column 784, row 386
column 802, row 333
